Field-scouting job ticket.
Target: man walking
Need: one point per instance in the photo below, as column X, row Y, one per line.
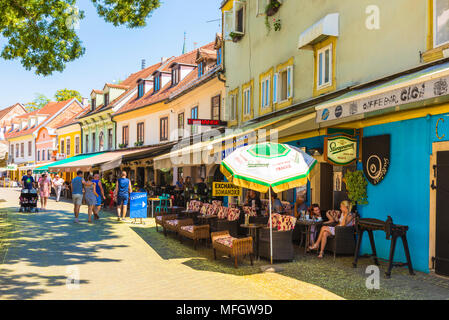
column 121, row 193
column 57, row 184
column 28, row 180
column 100, row 198
column 77, row 193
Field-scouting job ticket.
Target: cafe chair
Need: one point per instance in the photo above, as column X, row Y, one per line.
column 223, row 242
column 343, row 242
column 283, row 227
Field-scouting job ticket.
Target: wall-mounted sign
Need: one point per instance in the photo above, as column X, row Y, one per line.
column 225, row 189
column 11, row 167
column 425, row 90
column 206, row 122
column 376, row 157
column 340, row 150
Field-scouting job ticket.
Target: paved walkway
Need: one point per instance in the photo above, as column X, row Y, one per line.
column 114, row 262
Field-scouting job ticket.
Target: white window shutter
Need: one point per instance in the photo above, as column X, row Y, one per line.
column 290, row 77
column 228, row 24
column 275, row 87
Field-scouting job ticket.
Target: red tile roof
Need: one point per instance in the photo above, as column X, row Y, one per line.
column 5, row 111
column 72, row 120
column 150, row 97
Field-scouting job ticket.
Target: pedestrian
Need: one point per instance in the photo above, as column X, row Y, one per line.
column 121, row 194
column 57, row 184
column 44, row 190
column 91, row 196
column 28, row 180
column 77, row 194
column 100, row 191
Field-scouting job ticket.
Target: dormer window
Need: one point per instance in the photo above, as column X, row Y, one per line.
column 93, row 104
column 157, row 82
column 106, row 99
column 175, row 76
column 219, row 51
column 141, row 89
column 201, row 67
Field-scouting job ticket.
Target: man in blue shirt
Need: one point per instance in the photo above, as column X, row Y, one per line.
column 28, row 180
column 77, row 193
column 121, row 194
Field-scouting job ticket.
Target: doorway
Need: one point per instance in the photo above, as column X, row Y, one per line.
column 442, row 214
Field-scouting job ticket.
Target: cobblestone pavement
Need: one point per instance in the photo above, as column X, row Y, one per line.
column 114, row 260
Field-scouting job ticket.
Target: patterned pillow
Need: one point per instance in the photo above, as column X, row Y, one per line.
column 250, row 210
column 216, row 203
column 287, row 206
column 223, row 212
column 212, row 210
column 173, row 223
column 275, row 217
column 226, row 241
column 286, row 223
column 204, row 209
column 187, row 228
column 234, row 214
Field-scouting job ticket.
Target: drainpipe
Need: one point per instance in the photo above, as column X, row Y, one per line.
column 114, row 142
column 81, row 138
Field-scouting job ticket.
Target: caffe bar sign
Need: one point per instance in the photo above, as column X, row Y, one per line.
column 419, row 92
column 340, row 150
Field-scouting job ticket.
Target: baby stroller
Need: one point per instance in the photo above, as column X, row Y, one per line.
column 28, row 200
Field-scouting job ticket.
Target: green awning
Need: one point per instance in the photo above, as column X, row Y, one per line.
column 45, row 168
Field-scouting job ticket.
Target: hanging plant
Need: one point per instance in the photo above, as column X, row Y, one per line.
column 235, row 36
column 271, row 9
column 277, row 25
column 356, row 187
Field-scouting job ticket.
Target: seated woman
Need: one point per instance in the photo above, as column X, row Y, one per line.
column 333, row 216
column 253, row 200
column 346, row 219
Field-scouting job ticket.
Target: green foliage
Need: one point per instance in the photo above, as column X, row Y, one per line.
column 272, row 6
column 42, row 33
column 39, row 101
column 356, row 185
column 107, row 186
column 66, row 94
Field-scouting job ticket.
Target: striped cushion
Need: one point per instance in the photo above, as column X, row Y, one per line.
column 204, row 209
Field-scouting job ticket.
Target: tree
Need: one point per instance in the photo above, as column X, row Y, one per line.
column 41, row 33
column 39, row 101
column 66, row 94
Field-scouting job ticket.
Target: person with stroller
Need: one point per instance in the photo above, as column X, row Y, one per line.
column 28, row 180
column 44, row 190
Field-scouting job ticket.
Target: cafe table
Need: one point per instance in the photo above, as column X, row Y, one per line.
column 307, row 224
column 152, row 200
column 253, row 231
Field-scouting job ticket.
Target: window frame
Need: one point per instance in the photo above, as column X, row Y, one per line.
column 330, row 67
column 125, row 135
column 163, row 123
column 241, row 6
column 182, row 127
column 110, row 138
column 434, row 17
column 248, row 99
column 30, row 147
column 194, row 128
column 62, row 146
column 141, row 132
column 68, row 146
column 77, row 145
column 330, row 42
column 87, row 142
column 212, row 107
column 94, row 141
column 22, row 150
column 106, row 99
column 234, row 96
column 140, row 89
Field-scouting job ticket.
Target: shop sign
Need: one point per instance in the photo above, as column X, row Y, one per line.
column 340, row 150
column 138, row 205
column 418, row 92
column 225, row 189
column 376, row 157
column 206, row 122
column 11, row 167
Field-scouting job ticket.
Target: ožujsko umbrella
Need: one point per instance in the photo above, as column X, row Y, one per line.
column 267, row 166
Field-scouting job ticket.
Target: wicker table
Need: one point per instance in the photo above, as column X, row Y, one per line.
column 253, row 231
column 308, row 226
column 205, row 219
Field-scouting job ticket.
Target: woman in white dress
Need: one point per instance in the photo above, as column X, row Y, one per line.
column 346, row 219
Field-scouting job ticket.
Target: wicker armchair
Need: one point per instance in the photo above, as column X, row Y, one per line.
column 224, row 224
column 343, row 242
column 282, row 244
column 222, row 241
column 195, row 233
column 175, row 224
column 161, row 218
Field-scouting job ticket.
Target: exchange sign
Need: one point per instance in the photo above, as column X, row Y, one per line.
column 225, row 189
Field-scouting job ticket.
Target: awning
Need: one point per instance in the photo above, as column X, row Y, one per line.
column 328, row 26
column 137, row 154
column 194, row 155
column 429, row 83
column 46, row 168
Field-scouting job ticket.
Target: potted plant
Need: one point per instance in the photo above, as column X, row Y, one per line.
column 356, row 185
column 235, row 36
column 272, row 8
column 138, row 143
column 123, row 145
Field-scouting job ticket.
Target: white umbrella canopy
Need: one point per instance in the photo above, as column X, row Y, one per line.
column 267, row 166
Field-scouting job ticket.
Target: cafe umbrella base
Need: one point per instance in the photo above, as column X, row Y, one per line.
column 266, row 166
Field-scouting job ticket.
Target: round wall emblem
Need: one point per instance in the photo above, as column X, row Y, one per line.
column 338, row 111
column 325, row 114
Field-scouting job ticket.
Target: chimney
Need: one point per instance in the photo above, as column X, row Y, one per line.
column 143, row 64
column 163, row 59
column 85, row 102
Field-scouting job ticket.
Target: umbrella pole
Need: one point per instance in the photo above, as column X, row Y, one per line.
column 271, row 229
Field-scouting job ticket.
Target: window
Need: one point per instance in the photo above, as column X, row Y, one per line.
column 200, row 69
column 440, row 22
column 247, row 101
column 93, row 104
column 106, row 99
column 17, row 150
column 324, row 67
column 265, row 98
column 77, row 145
column 87, row 144
column 30, row 146
column 180, row 125
column 239, row 17
column 68, row 146
column 101, row 141
column 157, row 82
column 48, row 154
column 163, row 133
column 43, row 155
column 175, row 76
column 125, row 135
column 62, row 146
column 38, row 155
column 194, row 115
column 283, row 85
column 219, row 56
column 93, row 142
column 141, row 89
column 110, row 139
column 216, row 106
column 22, row 149
column 12, row 150
column 140, row 132
column 233, row 98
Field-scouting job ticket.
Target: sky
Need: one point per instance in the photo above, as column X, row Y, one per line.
column 113, row 53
